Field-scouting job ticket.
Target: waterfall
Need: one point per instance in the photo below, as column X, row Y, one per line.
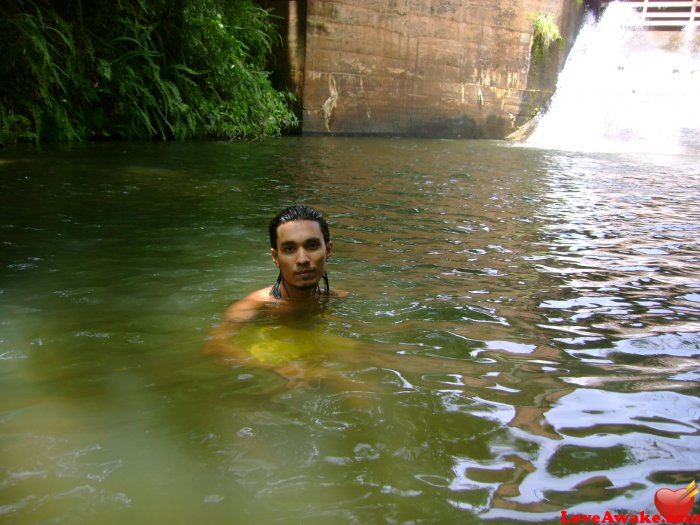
column 624, row 88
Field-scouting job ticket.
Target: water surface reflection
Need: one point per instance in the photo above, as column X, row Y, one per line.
column 524, row 326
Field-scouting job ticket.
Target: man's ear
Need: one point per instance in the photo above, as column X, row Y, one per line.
column 273, row 253
column 329, row 249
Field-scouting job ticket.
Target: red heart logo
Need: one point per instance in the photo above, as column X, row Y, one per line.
column 673, row 505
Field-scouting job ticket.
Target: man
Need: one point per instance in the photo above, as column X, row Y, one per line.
column 300, row 246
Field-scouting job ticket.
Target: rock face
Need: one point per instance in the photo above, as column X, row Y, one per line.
column 439, row 68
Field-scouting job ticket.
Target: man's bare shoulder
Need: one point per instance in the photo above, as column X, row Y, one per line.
column 262, row 296
column 250, row 306
column 341, row 294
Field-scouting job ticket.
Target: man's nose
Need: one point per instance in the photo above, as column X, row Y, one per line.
column 302, row 256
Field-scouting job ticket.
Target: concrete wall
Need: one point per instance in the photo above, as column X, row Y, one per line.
column 445, row 68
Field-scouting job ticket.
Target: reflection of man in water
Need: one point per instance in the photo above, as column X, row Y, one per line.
column 300, row 246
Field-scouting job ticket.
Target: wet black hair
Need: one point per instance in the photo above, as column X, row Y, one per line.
column 297, row 213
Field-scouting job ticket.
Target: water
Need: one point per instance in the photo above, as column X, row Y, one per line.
column 521, row 338
column 626, row 89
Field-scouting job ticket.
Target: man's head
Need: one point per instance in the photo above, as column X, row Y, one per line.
column 298, row 213
column 300, row 246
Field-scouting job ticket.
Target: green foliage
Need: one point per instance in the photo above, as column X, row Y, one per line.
column 546, row 33
column 36, row 87
column 238, row 99
column 137, row 69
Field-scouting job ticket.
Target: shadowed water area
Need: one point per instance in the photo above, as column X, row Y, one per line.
column 521, row 337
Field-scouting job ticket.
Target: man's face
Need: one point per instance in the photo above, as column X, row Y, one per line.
column 301, row 254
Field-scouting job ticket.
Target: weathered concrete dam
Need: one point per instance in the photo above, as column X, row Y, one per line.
column 439, row 68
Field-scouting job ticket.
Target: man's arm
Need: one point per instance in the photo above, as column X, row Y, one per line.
column 235, row 316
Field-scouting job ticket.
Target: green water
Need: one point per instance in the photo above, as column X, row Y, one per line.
column 521, row 337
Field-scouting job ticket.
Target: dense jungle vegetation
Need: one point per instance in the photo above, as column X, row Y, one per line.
column 76, row 70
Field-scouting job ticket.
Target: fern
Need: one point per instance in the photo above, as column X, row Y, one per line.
column 139, row 70
column 546, row 32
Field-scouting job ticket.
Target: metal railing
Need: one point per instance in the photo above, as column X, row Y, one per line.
column 667, row 13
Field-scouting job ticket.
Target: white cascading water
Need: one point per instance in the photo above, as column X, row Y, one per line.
column 625, row 89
